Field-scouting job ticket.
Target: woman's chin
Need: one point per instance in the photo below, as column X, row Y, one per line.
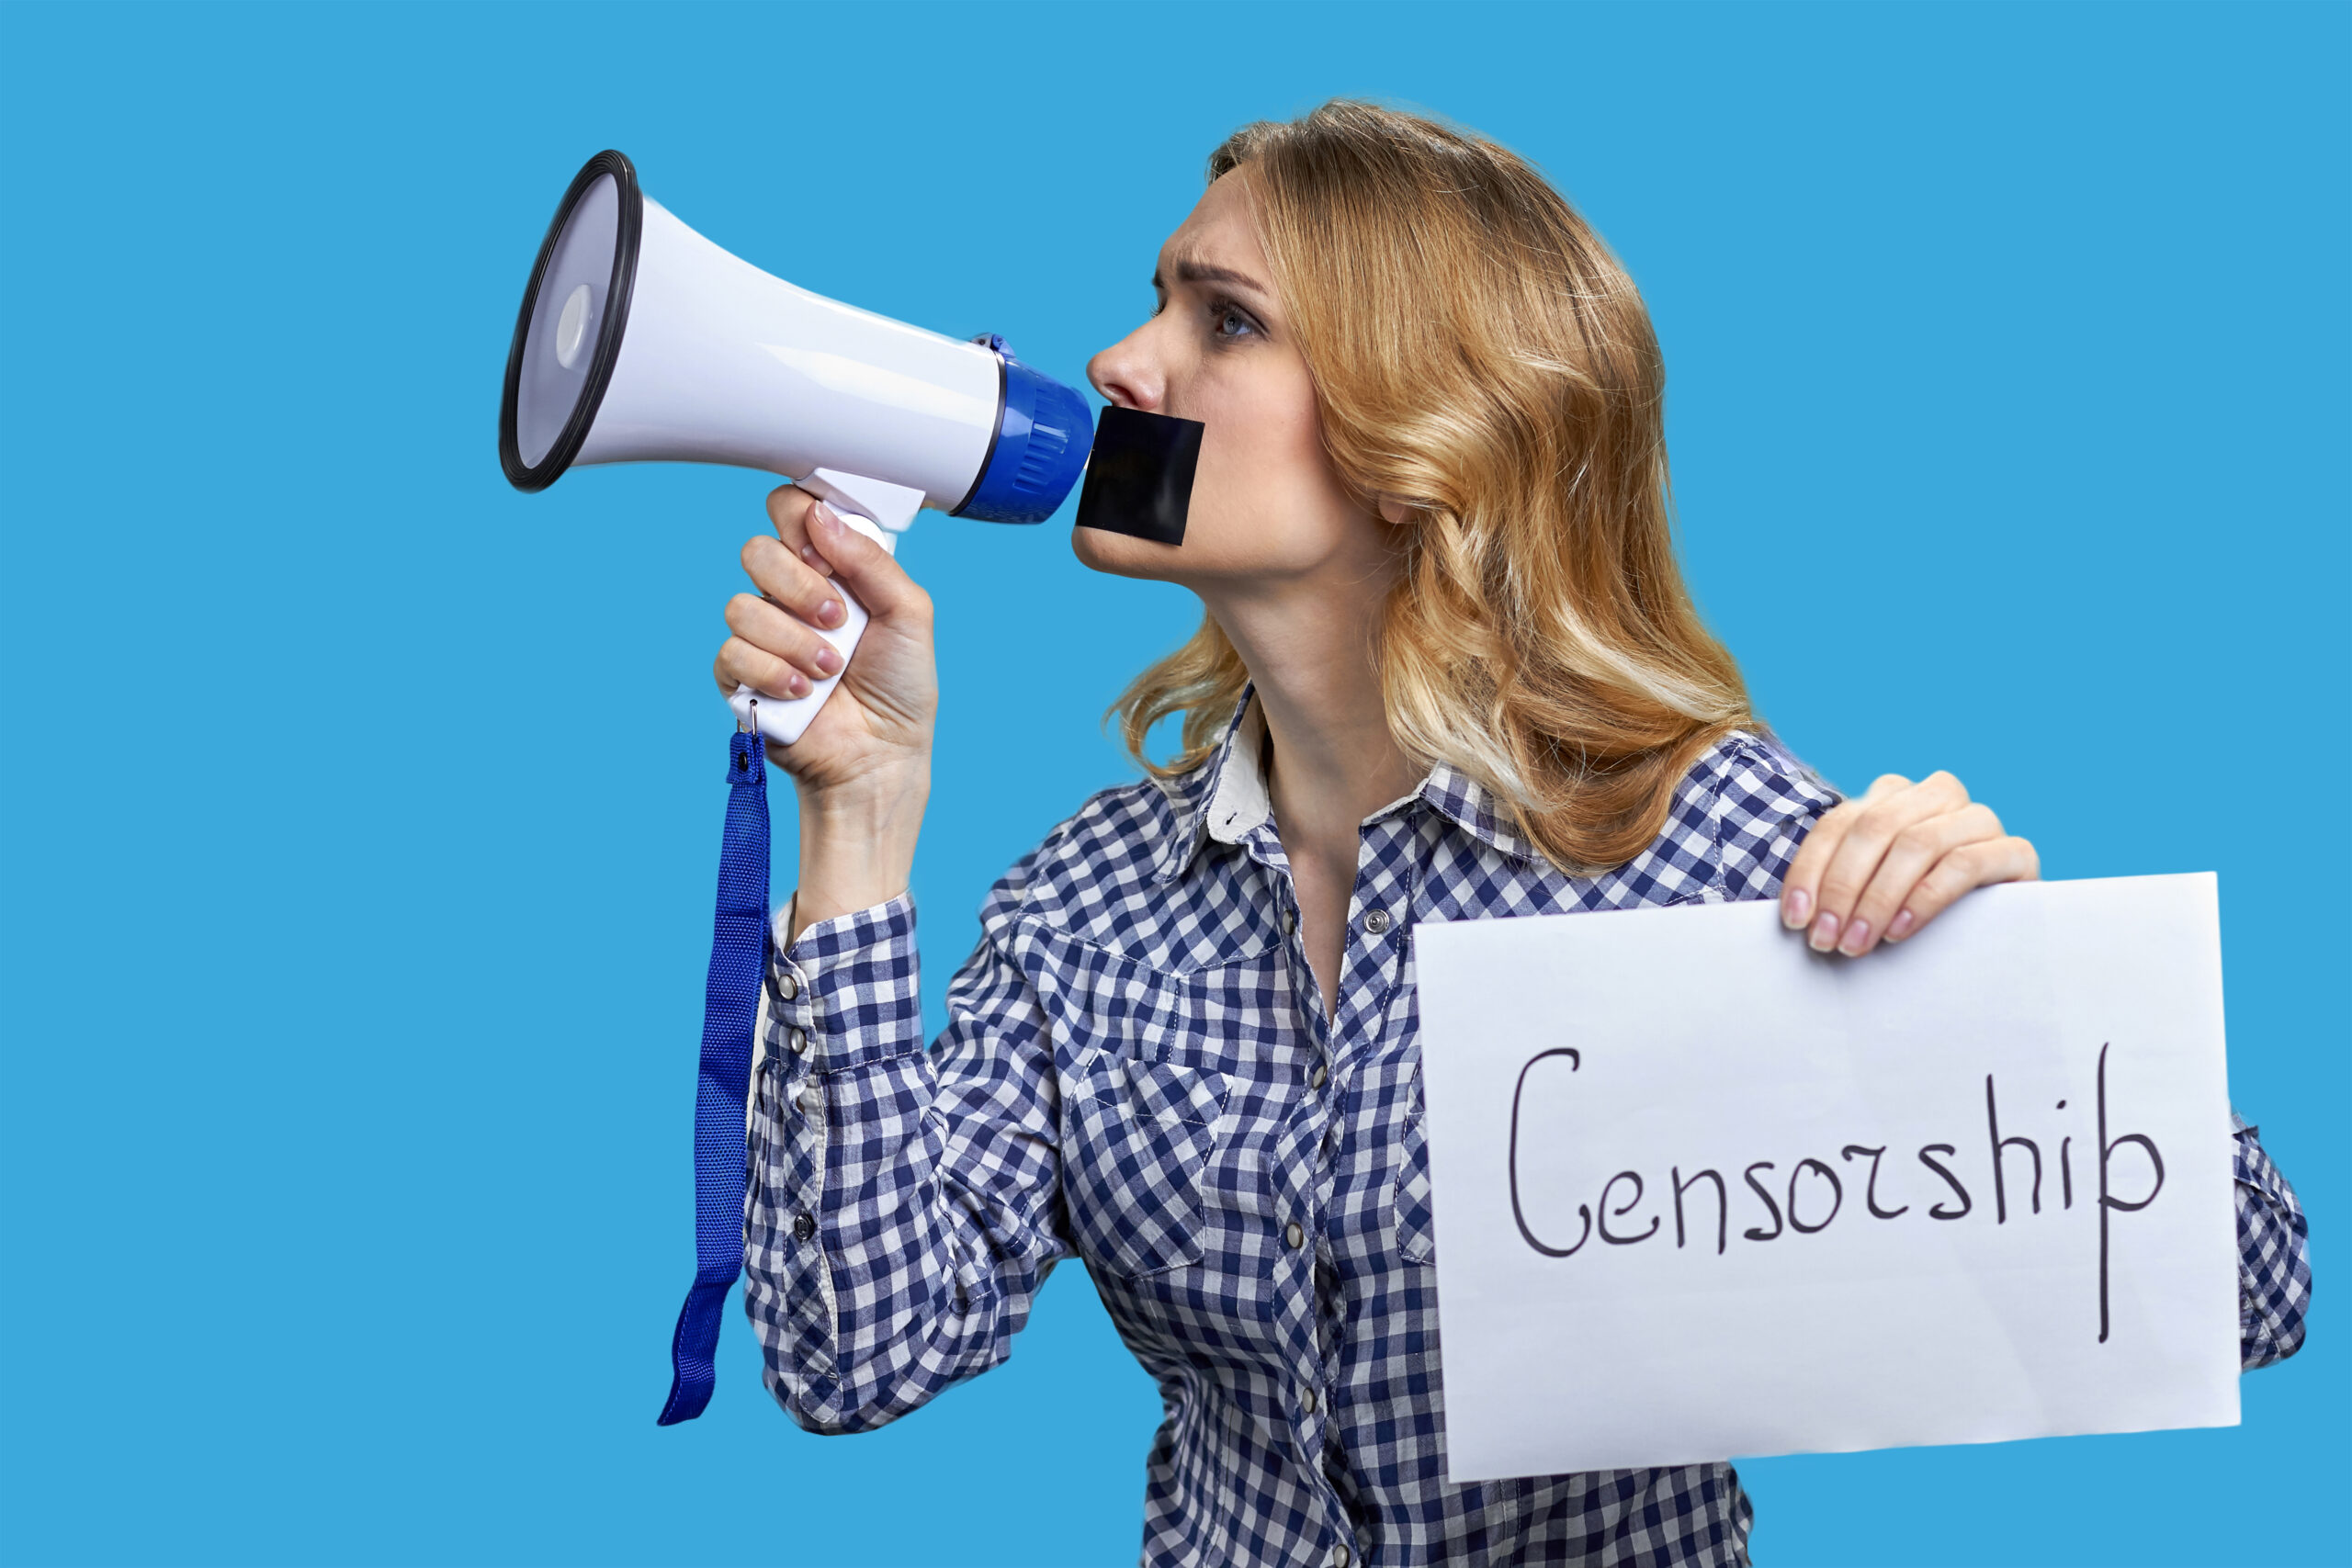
column 1122, row 555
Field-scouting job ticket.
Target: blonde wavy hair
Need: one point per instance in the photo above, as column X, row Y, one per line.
column 1481, row 358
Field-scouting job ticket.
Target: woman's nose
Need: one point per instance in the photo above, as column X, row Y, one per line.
column 1127, row 374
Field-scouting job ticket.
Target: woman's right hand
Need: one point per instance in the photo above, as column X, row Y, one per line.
column 863, row 767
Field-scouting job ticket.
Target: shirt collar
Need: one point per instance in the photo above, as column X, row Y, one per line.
column 1226, row 800
column 1226, row 796
column 1470, row 806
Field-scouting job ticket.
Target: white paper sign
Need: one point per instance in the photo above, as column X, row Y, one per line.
column 1701, row 1192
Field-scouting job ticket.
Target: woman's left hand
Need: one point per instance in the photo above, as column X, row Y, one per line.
column 1881, row 867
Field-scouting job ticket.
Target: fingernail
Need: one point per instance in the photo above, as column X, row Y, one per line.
column 799, row 684
column 1825, row 933
column 829, row 611
column 1795, row 907
column 823, row 517
column 1900, row 927
column 1858, row 940
column 809, row 553
column 828, row 660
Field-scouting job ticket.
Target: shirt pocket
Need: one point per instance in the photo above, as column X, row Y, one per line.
column 1409, row 1199
column 1134, row 1153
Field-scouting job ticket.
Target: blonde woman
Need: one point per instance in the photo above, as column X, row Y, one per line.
column 1447, row 670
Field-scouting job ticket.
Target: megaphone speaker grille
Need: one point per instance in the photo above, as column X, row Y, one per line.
column 567, row 334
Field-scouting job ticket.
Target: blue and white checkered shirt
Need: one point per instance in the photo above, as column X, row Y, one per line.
column 1137, row 1069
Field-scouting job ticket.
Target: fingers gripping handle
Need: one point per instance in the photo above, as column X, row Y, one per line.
column 783, row 719
column 881, row 512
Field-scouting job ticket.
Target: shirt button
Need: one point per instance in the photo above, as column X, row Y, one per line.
column 810, row 1100
column 789, row 986
column 1317, row 1076
column 1377, row 921
column 1306, row 1400
column 1289, row 922
column 800, row 1042
column 1342, row 1557
column 1295, row 1234
column 803, row 1226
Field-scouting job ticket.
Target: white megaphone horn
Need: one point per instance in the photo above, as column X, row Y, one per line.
column 640, row 341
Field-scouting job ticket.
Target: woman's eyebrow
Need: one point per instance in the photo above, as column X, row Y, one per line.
column 1190, row 270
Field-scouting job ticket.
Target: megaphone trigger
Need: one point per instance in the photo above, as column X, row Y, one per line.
column 884, row 508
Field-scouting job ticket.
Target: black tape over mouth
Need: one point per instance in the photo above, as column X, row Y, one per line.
column 1139, row 478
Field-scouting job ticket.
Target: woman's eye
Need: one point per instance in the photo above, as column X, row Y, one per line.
column 1230, row 322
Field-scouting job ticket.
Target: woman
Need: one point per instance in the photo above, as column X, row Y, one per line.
column 1447, row 670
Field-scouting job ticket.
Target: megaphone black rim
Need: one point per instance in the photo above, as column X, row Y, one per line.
column 529, row 476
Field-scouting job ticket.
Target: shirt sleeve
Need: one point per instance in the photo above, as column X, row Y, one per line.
column 1765, row 803
column 904, row 1206
column 2274, row 1257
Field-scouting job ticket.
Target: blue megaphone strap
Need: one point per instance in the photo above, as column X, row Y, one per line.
column 738, row 956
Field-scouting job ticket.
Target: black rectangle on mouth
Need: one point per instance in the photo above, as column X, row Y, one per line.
column 1139, row 478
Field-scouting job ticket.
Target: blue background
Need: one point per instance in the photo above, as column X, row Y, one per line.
column 360, row 813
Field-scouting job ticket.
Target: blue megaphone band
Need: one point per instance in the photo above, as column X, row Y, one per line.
column 1043, row 434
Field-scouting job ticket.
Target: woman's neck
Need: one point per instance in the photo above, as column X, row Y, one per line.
column 1311, row 648
column 1310, row 644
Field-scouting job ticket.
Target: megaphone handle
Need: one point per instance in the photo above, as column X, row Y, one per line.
column 784, row 719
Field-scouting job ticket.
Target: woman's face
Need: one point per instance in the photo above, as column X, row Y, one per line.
column 1266, row 503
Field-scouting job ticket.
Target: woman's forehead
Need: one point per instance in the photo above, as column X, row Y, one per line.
column 1216, row 243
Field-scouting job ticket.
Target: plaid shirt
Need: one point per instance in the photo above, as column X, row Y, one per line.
column 1137, row 1069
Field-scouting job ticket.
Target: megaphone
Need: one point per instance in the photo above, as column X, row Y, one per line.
column 640, row 341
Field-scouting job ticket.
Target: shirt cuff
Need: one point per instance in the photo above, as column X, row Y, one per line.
column 851, row 987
